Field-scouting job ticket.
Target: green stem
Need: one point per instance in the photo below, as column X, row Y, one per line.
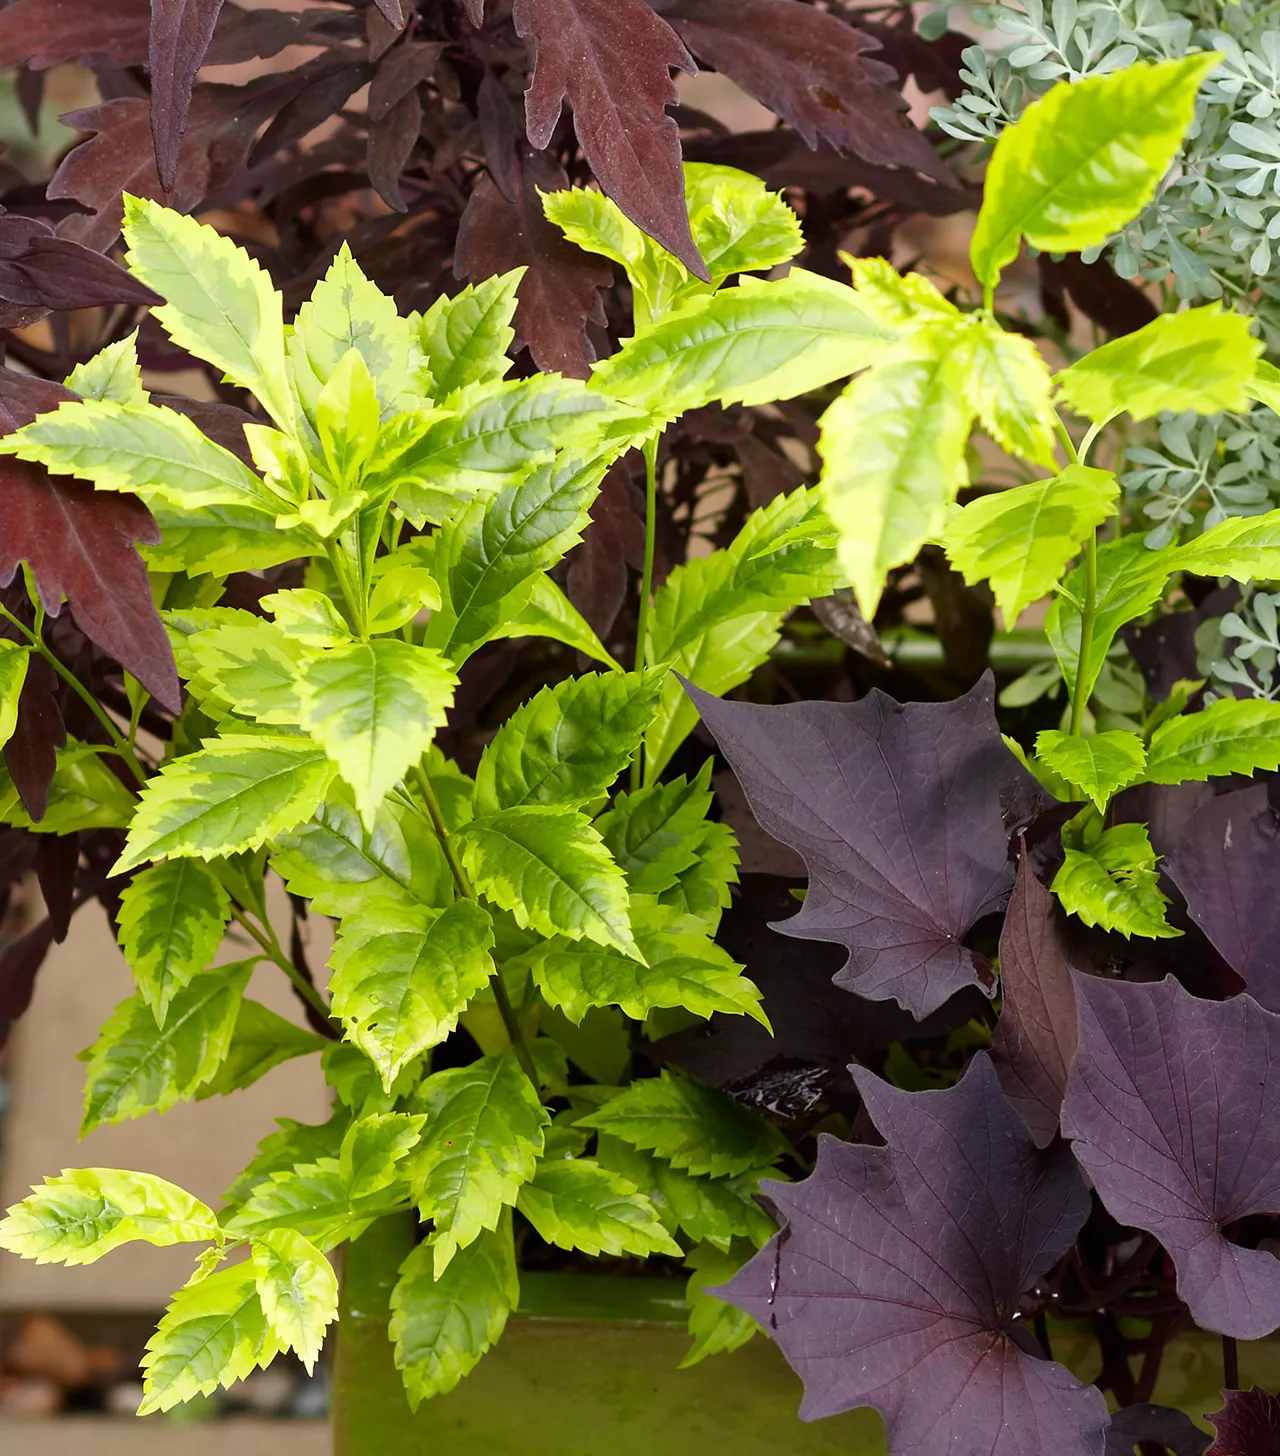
column 274, row 951
column 1089, row 611
column 353, row 597
column 1068, row 444
column 118, row 743
column 989, row 298
column 1091, row 434
column 650, row 451
column 467, row 890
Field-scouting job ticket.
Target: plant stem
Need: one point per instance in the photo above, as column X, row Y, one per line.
column 1080, row 695
column 117, row 740
column 1068, row 444
column 1230, row 1363
column 467, row 890
column 273, row 950
column 650, row 452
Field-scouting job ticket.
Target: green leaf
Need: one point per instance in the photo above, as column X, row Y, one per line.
column 213, row 1334
column 1232, row 735
column 549, row 613
column 261, row 1040
column 235, row 793
column 751, row 344
column 489, row 555
column 893, row 452
column 1264, row 386
column 135, row 1068
column 221, row 305
column 223, row 539
column 716, row 1327
column 374, row 707
column 653, row 833
column 684, row 968
column 401, row 590
column 1130, row 580
column 1083, row 160
column 148, row 449
column 298, row 1290
column 14, row 660
column 313, row 1198
column 442, row 1325
column 249, row 669
column 900, row 302
column 1100, row 765
column 702, row 890
column 689, row 1124
column 293, row 1144
column 577, row 1204
column 485, row 1131
column 113, row 373
column 1201, row 359
column 1245, row 548
column 401, row 979
column 345, row 869
column 347, row 418
column 374, row 1147
column 87, row 1212
column 466, row 337
column 1009, row 388
column 550, row 868
column 307, row 617
column 1021, row 539
column 1111, row 881
column 84, row 794
column 171, row 920
column 568, row 743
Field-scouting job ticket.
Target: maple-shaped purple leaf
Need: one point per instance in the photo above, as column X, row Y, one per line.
column 1247, row 1425
column 896, row 1279
column 1035, row 1037
column 895, row 809
column 612, row 60
column 39, row 34
column 180, row 34
column 1173, row 1108
column 1226, row 865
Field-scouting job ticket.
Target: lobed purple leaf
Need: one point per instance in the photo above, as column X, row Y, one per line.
column 1247, row 1425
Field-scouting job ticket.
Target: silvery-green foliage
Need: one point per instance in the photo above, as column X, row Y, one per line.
column 1239, row 652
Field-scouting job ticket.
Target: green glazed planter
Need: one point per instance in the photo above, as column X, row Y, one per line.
column 589, row 1366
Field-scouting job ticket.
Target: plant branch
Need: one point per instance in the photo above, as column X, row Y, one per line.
column 272, row 948
column 1088, row 614
column 1230, row 1364
column 650, row 451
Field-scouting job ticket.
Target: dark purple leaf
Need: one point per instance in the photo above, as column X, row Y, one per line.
column 896, row 1279
column 1173, row 1430
column 180, row 34
column 40, row 271
column 612, row 60
column 614, row 540
column 895, row 809
column 223, row 423
column 251, row 35
column 392, row 139
column 41, row 33
column 1226, row 865
column 327, row 89
column 812, row 69
column 560, row 291
column 1247, row 1425
column 474, row 10
column 1035, row 1037
column 30, row 88
column 57, row 859
column 19, row 963
column 30, row 755
column 500, row 133
column 1173, row 1107
column 935, row 64
column 392, row 12
column 398, row 73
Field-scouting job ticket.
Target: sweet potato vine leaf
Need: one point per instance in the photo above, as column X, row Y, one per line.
column 1173, row 1107
column 612, row 60
column 896, row 1278
column 180, row 34
column 1156, row 1425
column 1247, row 1425
column 1035, row 1037
column 1225, row 866
column 895, row 809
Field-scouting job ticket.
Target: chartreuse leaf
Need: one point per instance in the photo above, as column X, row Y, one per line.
column 221, row 305
column 347, row 416
column 113, row 373
column 14, row 660
column 898, row 301
column 374, row 707
column 568, row 743
column 401, row 589
column 223, row 539
column 574, row 1203
column 293, row 1143
column 1083, row 160
column 550, row 868
column 549, row 613
column 1100, row 765
column 171, row 920
column 716, row 618
column 250, row 669
column 653, row 833
column 689, row 1124
column 307, row 617
column 465, row 338
column 213, row 1334
column 313, row 1198
column 87, row 1212
column 1232, row 735
column 345, row 869
column 1021, row 539
column 1201, row 359
column 893, row 452
column 1245, row 548
column 1264, row 386
column 148, row 449
column 489, row 554
column 135, row 1068
column 401, row 979
column 681, row 967
column 483, row 1137
column 1008, row 386
column 442, row 1324
column 235, row 793
column 716, row 1327
column 261, row 1040
column 1109, row 879
column 746, row 345
column 373, row 1147
column 298, row 1290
